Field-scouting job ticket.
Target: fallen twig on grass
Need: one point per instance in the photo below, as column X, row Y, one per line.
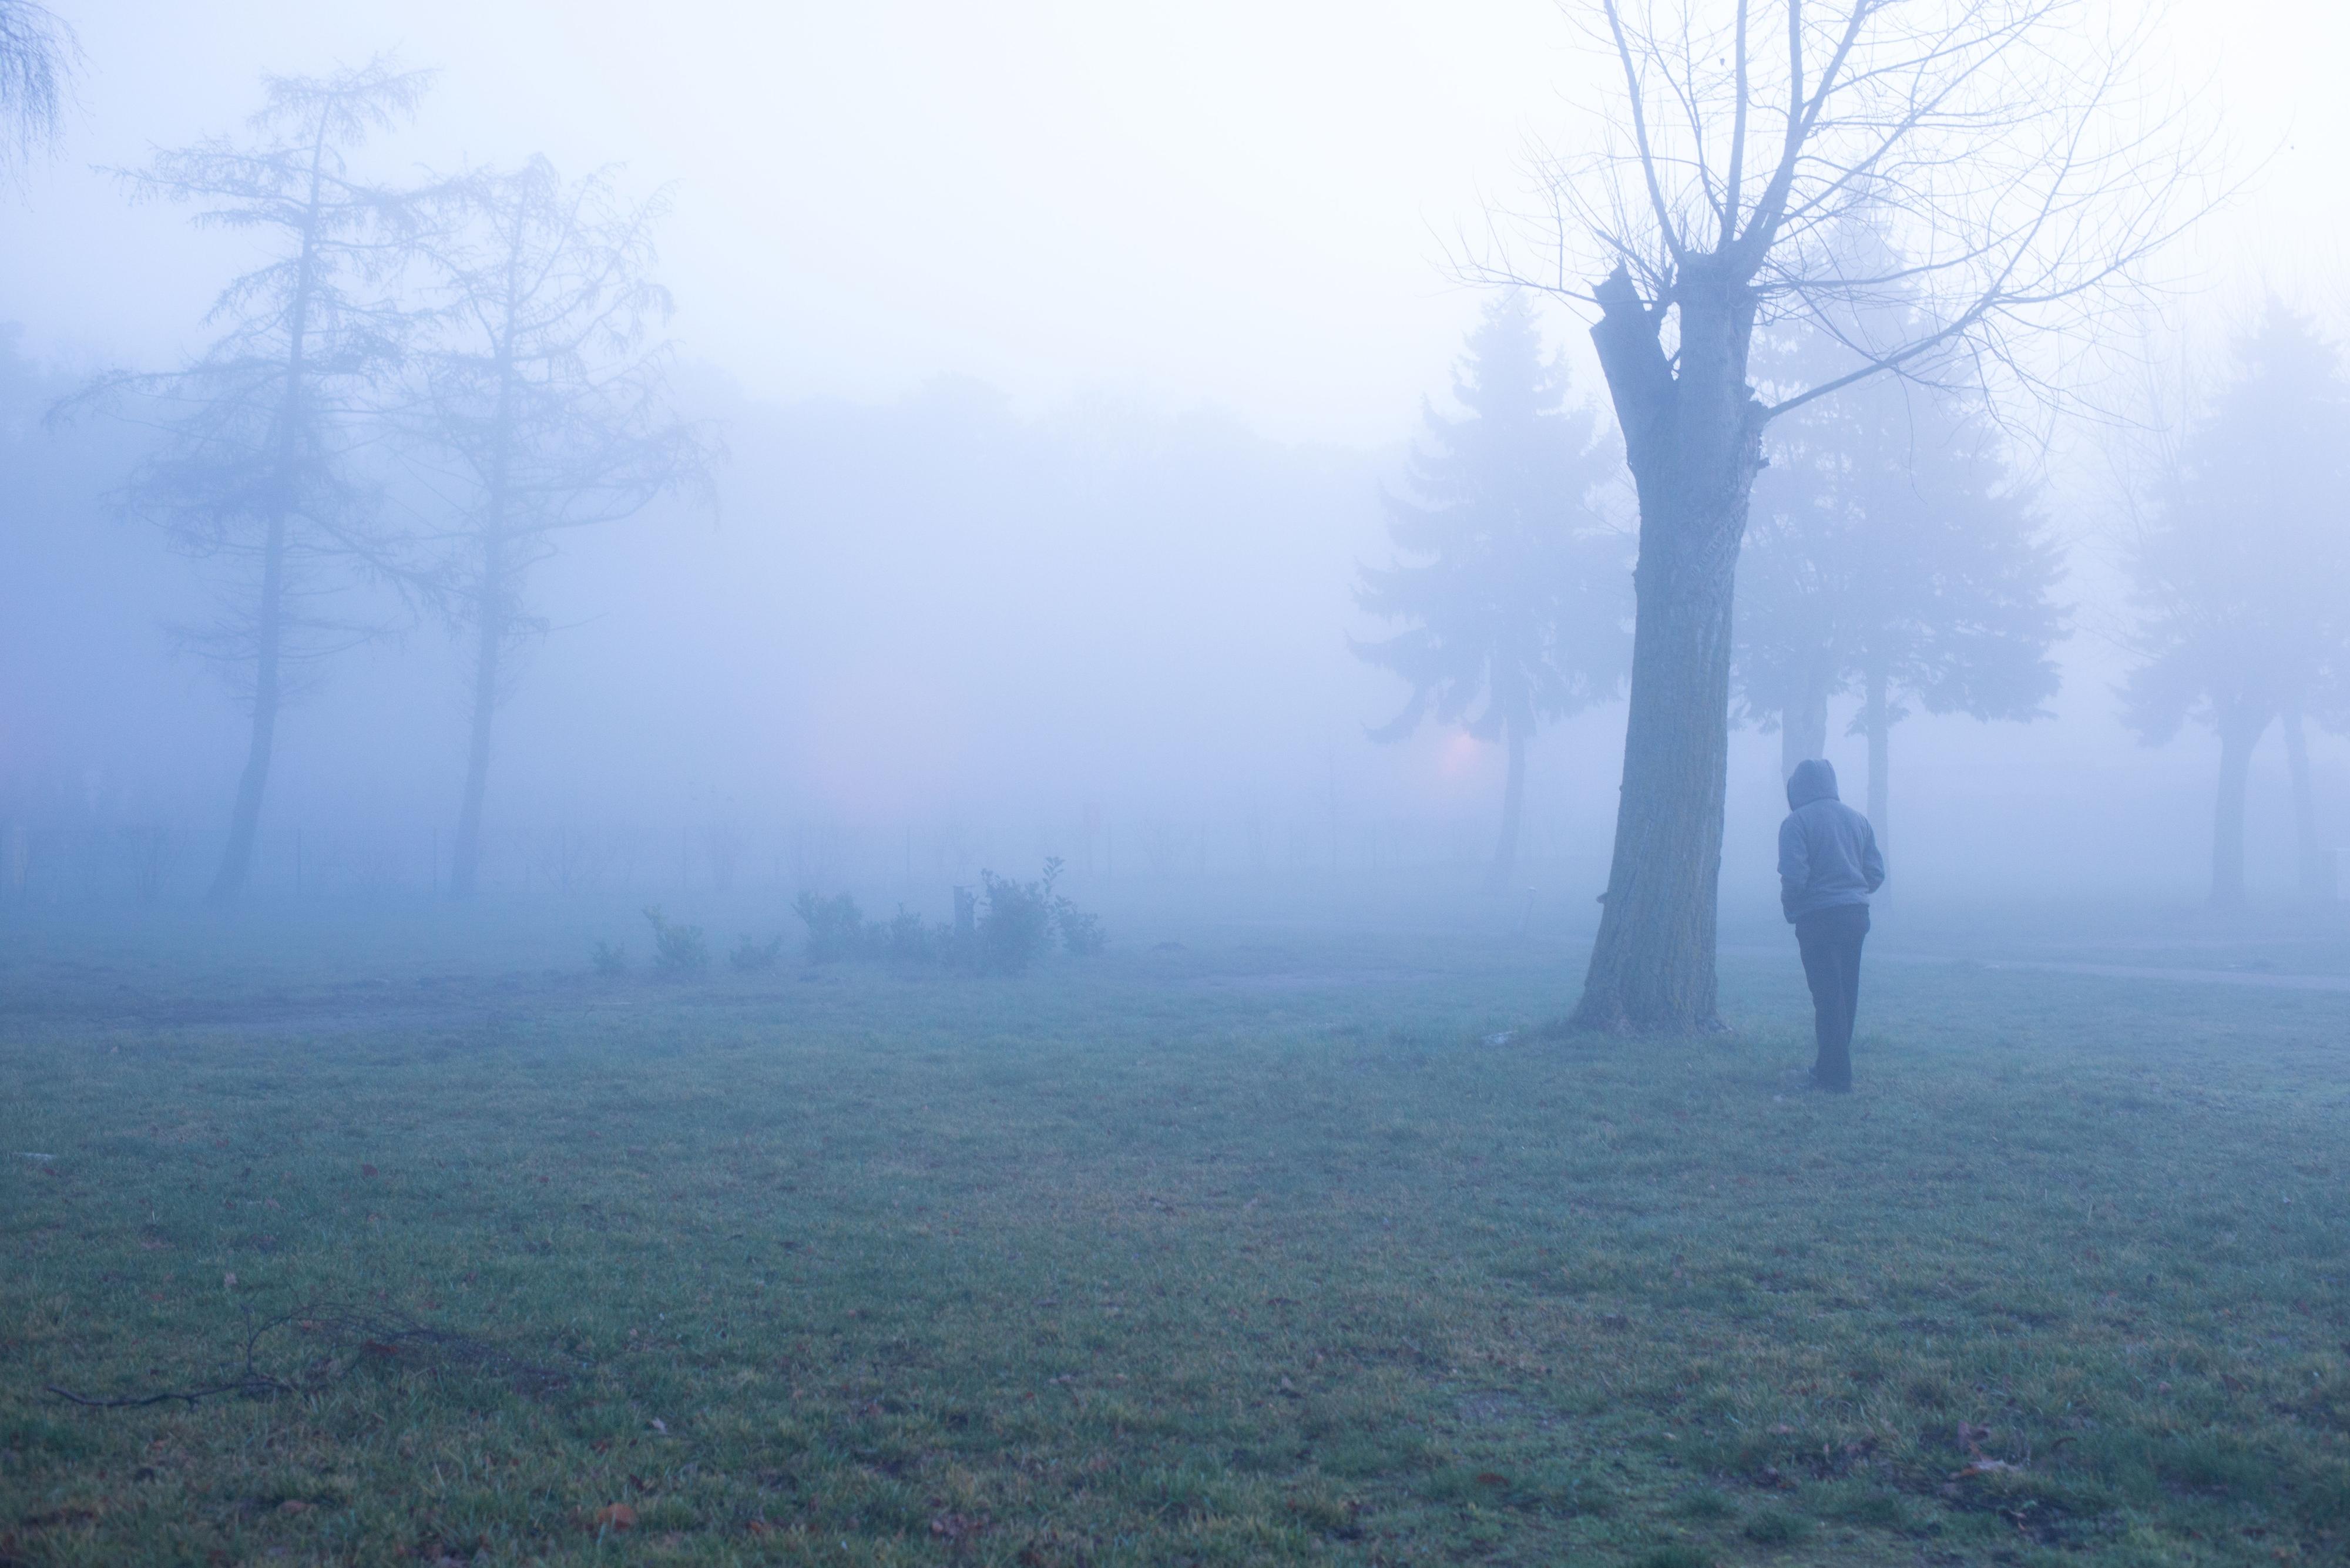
column 349, row 1335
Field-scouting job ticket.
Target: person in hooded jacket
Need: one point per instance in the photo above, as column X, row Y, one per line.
column 1828, row 865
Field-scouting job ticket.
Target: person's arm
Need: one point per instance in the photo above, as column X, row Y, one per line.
column 1795, row 864
column 1872, row 860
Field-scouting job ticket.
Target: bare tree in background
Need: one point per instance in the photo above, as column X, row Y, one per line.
column 544, row 408
column 1511, row 588
column 37, row 52
column 2238, row 576
column 2005, row 154
column 257, row 471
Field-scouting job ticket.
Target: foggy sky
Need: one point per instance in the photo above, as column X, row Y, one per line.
column 1219, row 229
column 1241, row 205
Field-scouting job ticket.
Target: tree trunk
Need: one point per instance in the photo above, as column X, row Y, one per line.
column 1876, row 719
column 269, row 614
column 2237, row 735
column 1692, row 437
column 495, row 605
column 269, row 631
column 1513, row 801
column 1803, row 725
column 465, row 855
column 2316, row 866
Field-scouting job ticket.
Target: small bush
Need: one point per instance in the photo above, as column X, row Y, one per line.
column 1016, row 924
column 1002, row 928
column 678, row 950
column 836, row 928
column 609, row 958
column 1081, row 932
column 906, row 939
column 749, row 956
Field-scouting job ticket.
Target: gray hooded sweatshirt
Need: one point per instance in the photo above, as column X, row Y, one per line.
column 1827, row 852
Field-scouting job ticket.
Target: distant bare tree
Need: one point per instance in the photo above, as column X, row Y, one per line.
column 2237, row 579
column 544, row 410
column 2006, row 154
column 256, row 472
column 37, row 52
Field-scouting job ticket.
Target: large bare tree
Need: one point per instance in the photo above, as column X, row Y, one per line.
column 546, row 409
column 2015, row 171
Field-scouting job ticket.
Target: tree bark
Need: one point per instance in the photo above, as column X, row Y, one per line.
column 1513, row 800
column 2239, row 734
column 2316, row 866
column 1692, row 437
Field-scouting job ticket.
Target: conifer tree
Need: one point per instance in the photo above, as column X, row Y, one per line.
column 1511, row 588
column 1889, row 553
column 2238, row 576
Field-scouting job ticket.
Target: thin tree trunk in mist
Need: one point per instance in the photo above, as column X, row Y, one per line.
column 1876, row 719
column 2238, row 736
column 493, row 608
column 1804, row 726
column 1694, row 443
column 244, row 817
column 465, row 855
column 1513, row 801
column 269, row 614
column 2316, row 867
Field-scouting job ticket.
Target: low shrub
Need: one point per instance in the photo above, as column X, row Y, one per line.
column 836, row 928
column 749, row 956
column 1002, row 928
column 1015, row 925
column 678, row 950
column 609, row 958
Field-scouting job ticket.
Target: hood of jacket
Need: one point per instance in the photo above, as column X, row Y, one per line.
column 1813, row 779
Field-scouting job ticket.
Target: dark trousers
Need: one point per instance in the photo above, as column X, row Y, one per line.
column 1830, row 941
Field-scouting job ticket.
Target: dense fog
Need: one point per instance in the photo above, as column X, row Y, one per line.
column 1059, row 379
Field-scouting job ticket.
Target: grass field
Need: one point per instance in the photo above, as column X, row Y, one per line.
column 1259, row 1246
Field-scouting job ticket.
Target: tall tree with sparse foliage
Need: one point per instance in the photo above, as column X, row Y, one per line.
column 259, row 473
column 1891, row 553
column 2238, row 579
column 1512, row 587
column 543, row 409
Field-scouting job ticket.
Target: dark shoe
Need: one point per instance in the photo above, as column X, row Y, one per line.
column 1812, row 1080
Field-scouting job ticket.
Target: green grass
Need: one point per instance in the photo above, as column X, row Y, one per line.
column 1232, row 1253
